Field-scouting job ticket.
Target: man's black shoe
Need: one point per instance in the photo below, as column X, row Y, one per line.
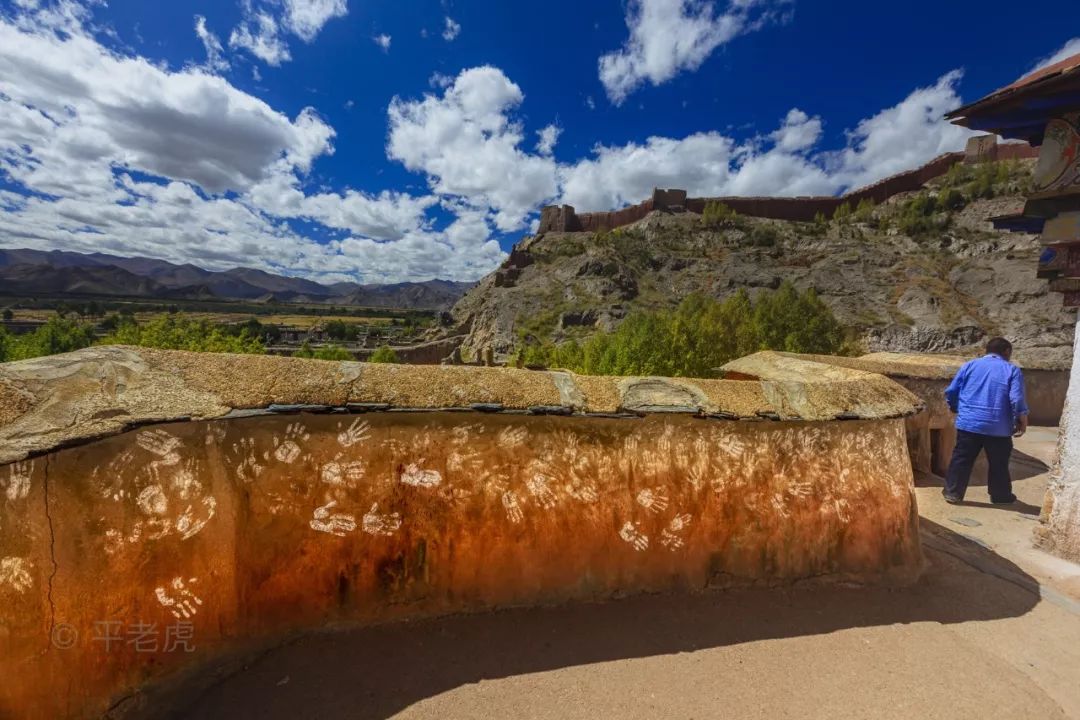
column 952, row 499
column 1004, row 501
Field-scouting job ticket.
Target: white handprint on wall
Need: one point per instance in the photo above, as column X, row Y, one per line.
column 512, row 506
column 539, row 486
column 631, row 533
column 162, row 444
column 376, row 523
column 288, row 450
column 248, row 467
column 180, row 599
column 340, row 524
column 417, row 477
column 356, row 432
column 15, row 572
column 671, row 536
column 194, row 519
column 152, row 501
column 18, row 483
column 340, row 474
column 652, row 499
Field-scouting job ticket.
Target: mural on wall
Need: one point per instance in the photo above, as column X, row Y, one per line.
column 649, row 482
column 1058, row 169
column 251, row 527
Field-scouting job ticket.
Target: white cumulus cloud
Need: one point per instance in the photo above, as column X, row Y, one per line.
column 787, row 161
column 451, row 30
column 468, row 145
column 798, row 132
column 901, row 137
column 99, row 109
column 382, row 41
column 109, row 152
column 548, row 136
column 670, row 36
column 261, row 30
column 258, row 34
column 305, row 18
column 215, row 53
column 1070, row 48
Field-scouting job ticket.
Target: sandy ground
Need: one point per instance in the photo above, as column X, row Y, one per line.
column 991, row 631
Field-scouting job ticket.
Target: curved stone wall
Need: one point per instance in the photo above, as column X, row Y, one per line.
column 129, row 557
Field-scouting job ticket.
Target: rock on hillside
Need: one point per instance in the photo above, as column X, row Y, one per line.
column 943, row 289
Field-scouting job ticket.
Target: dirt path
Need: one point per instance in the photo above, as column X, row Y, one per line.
column 991, row 631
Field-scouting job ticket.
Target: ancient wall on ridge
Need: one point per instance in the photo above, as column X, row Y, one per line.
column 803, row 209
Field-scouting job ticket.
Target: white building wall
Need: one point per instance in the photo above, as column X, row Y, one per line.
column 1060, row 532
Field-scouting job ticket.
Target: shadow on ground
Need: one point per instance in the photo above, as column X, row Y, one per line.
column 375, row 672
column 1021, row 467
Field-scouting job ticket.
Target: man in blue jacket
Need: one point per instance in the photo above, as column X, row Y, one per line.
column 987, row 396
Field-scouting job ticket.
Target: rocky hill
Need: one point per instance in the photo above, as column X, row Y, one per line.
column 925, row 271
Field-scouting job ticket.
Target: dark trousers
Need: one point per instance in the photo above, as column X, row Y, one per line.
column 968, row 447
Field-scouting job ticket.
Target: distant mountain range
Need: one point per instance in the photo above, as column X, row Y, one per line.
column 58, row 272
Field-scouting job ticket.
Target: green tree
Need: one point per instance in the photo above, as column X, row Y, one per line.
column 9, row 315
column 864, row 211
column 717, row 214
column 333, row 352
column 341, row 330
column 384, row 354
column 57, row 335
column 842, row 213
column 175, row 331
column 700, row 335
column 763, row 235
column 951, row 199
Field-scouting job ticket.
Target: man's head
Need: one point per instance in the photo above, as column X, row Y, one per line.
column 999, row 346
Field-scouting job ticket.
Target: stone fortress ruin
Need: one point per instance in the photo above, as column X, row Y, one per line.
column 227, row 501
column 985, row 148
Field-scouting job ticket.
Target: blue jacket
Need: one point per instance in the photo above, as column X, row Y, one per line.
column 987, row 395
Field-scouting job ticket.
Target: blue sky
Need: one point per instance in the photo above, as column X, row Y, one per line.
column 340, row 139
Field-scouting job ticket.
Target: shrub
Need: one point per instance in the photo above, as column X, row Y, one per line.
column 341, row 330
column 864, row 212
column 764, row 236
column 326, row 352
column 951, row 199
column 175, row 331
column 843, row 213
column 58, row 335
column 384, row 354
column 699, row 335
column 333, row 352
column 916, row 216
column 717, row 214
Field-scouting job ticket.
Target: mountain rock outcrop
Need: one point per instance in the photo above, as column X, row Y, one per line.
column 944, row 285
